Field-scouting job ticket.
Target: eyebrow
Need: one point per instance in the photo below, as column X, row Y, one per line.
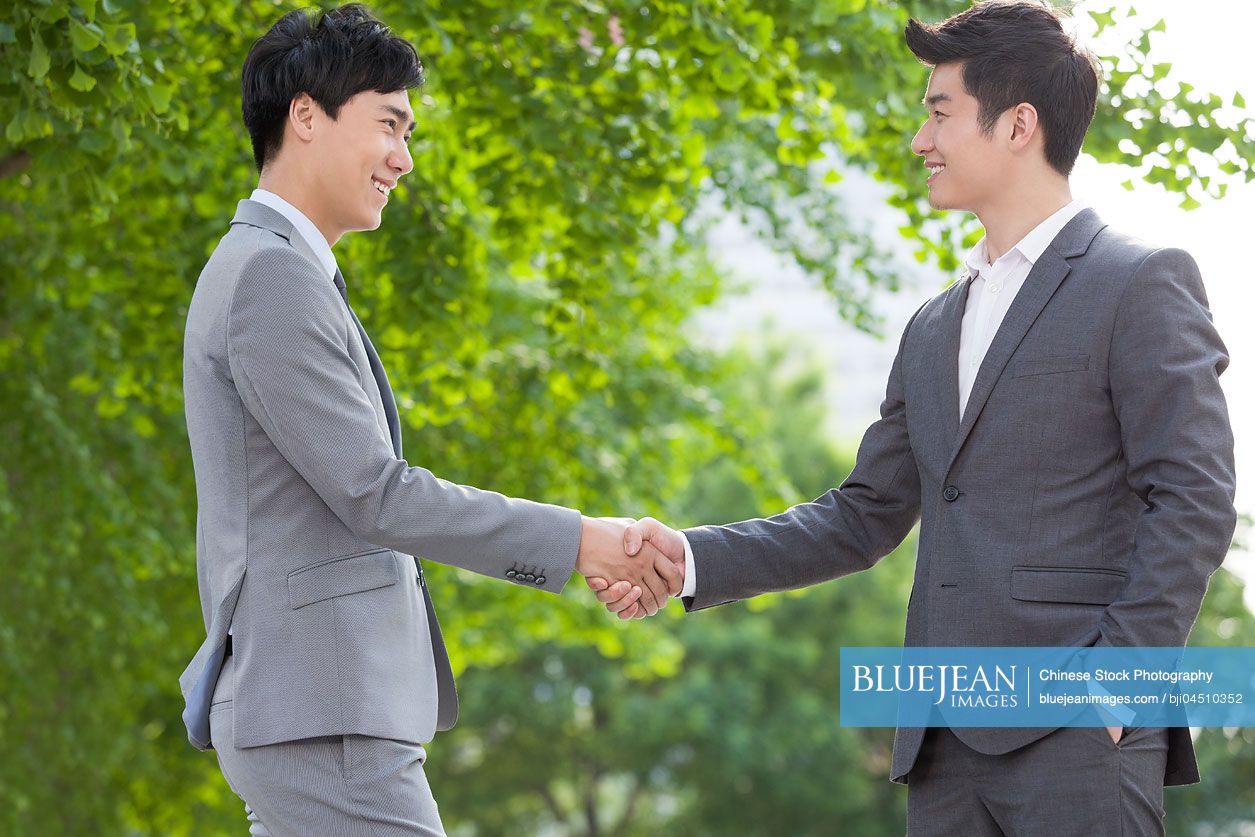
column 399, row 114
column 937, row 97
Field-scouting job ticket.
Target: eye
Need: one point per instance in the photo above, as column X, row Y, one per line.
column 391, row 123
column 938, row 114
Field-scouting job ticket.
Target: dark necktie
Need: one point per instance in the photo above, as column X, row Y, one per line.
column 447, row 696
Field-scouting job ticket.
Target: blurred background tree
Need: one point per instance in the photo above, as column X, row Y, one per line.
column 529, row 291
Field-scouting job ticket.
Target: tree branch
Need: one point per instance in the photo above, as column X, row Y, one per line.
column 629, row 810
column 559, row 816
column 14, row 163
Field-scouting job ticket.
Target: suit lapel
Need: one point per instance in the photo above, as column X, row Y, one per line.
column 1040, row 285
column 385, row 388
column 948, row 356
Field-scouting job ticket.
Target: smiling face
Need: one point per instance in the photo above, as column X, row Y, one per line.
column 358, row 158
column 966, row 167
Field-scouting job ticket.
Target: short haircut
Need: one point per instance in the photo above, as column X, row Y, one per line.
column 332, row 56
column 1016, row 51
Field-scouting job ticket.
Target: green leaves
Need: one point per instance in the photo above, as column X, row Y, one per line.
column 84, row 37
column 118, row 37
column 159, row 95
column 1103, row 19
column 39, row 58
column 80, row 80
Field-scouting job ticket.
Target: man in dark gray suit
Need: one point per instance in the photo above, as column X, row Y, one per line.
column 1055, row 418
column 323, row 671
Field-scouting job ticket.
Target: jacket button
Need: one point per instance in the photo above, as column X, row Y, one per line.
column 529, row 577
column 950, row 494
column 510, row 573
column 540, row 579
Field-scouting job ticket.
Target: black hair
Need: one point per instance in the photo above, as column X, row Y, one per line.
column 1016, row 51
column 332, row 56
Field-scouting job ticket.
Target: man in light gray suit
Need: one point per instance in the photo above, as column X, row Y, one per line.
column 1055, row 418
column 323, row 670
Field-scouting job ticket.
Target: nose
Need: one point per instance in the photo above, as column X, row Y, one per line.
column 400, row 160
column 922, row 142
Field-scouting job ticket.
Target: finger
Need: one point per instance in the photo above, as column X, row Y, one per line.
column 632, row 612
column 626, row 602
column 671, row 572
column 657, row 589
column 615, row 592
column 650, row 600
column 636, row 534
column 596, row 583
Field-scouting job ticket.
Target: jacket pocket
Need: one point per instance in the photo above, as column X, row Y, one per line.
column 341, row 576
column 1049, row 365
column 1066, row 584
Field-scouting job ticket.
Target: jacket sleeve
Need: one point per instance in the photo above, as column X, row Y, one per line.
column 287, row 344
column 848, row 529
column 1165, row 365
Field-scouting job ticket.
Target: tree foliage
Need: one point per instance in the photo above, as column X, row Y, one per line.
column 528, row 291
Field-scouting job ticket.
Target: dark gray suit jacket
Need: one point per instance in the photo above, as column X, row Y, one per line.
column 1085, row 499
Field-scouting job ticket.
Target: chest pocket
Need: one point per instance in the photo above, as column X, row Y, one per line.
column 1052, row 365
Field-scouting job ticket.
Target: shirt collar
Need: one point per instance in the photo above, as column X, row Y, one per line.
column 1032, row 245
column 305, row 227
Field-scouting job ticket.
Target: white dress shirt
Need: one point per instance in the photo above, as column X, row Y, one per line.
column 993, row 288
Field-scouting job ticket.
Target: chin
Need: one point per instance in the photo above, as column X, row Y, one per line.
column 942, row 202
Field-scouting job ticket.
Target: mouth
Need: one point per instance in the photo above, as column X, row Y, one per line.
column 935, row 169
column 382, row 187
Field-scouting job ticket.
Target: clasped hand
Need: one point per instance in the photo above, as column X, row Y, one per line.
column 632, row 566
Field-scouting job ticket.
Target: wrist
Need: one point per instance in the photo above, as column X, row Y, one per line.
column 588, row 535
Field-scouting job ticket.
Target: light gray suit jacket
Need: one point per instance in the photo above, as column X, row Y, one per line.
column 308, row 517
column 1085, row 498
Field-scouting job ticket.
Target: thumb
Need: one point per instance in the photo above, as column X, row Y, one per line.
column 595, row 583
column 634, row 535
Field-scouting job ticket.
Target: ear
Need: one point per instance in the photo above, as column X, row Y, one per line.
column 1024, row 126
column 301, row 112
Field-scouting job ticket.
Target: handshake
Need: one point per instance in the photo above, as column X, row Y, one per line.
column 632, row 566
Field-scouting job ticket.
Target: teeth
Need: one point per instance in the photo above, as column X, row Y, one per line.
column 381, row 188
column 935, row 169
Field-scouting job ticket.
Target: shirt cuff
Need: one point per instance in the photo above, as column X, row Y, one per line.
column 690, row 572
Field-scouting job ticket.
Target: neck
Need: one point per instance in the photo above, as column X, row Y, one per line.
column 1016, row 211
column 298, row 189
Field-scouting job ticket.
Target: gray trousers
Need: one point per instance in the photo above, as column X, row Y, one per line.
column 331, row 785
column 1073, row 781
